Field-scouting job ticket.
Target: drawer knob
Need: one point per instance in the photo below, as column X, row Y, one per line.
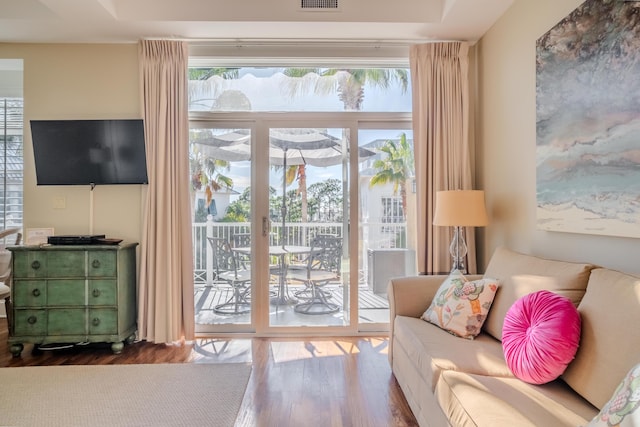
column 95, row 321
column 96, row 293
column 35, row 292
column 32, row 320
column 35, row 264
column 95, row 263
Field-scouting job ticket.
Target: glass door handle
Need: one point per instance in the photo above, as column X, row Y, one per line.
column 265, row 226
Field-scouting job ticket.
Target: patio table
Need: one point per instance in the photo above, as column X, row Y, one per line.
column 282, row 298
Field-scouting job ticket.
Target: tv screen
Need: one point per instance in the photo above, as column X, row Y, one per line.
column 89, row 152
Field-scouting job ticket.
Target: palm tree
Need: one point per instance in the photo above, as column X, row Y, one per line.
column 205, row 173
column 207, row 72
column 396, row 168
column 299, row 173
column 349, row 85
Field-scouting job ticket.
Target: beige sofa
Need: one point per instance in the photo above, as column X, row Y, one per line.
column 454, row 381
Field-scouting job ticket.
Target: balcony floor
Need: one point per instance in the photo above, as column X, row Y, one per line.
column 372, row 307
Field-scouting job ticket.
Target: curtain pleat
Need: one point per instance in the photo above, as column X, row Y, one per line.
column 165, row 292
column 440, row 84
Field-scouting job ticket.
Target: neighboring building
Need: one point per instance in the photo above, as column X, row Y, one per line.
column 380, row 208
column 217, row 208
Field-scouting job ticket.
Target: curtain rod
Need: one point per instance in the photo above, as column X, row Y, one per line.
column 306, row 42
column 262, row 42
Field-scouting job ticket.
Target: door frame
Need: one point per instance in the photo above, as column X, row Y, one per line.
column 259, row 123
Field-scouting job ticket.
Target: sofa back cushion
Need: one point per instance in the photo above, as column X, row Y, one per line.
column 521, row 274
column 610, row 340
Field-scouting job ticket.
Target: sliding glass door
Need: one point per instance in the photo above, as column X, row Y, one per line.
column 299, row 223
column 309, row 239
column 220, row 168
column 387, row 218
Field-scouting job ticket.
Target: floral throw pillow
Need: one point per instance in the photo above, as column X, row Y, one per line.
column 460, row 306
column 622, row 409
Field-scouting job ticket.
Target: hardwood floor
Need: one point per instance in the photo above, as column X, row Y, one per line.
column 343, row 381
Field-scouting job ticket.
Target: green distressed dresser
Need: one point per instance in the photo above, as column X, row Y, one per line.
column 73, row 294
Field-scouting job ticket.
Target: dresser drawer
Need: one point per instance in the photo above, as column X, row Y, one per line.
column 66, row 264
column 102, row 292
column 102, row 264
column 65, row 292
column 29, row 264
column 103, row 321
column 29, row 293
column 66, row 321
column 30, row 322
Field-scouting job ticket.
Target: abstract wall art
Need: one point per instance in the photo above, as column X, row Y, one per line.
column 588, row 121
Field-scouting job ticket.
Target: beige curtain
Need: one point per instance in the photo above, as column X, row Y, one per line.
column 440, row 84
column 165, row 296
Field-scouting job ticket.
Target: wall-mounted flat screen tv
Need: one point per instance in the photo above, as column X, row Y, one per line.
column 89, row 152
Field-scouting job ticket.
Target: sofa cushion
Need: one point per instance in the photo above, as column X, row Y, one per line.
column 461, row 306
column 477, row 400
column 623, row 409
column 540, row 336
column 521, row 274
column 610, row 335
column 433, row 350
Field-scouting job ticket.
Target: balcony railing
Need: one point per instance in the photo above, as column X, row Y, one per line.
column 372, row 235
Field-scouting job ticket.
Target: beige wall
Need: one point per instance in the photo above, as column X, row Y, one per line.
column 79, row 82
column 506, row 131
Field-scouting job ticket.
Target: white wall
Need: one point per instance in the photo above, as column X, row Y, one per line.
column 506, row 131
column 79, row 82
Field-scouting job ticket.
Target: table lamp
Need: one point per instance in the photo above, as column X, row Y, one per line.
column 457, row 209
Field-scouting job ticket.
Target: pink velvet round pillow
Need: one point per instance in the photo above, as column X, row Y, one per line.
column 540, row 336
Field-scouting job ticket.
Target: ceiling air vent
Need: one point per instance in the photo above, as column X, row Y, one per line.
column 319, row 5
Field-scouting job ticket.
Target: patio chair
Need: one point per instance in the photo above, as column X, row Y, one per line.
column 5, row 267
column 243, row 240
column 227, row 270
column 322, row 267
column 301, row 264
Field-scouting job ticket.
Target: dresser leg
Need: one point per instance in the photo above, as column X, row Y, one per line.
column 16, row 349
column 131, row 338
column 117, row 347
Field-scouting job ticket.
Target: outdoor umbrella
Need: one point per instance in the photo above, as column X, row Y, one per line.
column 302, row 146
column 232, row 146
column 287, row 147
column 313, row 148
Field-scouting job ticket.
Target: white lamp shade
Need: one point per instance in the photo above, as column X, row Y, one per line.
column 460, row 208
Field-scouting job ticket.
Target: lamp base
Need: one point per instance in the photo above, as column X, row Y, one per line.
column 458, row 266
column 458, row 250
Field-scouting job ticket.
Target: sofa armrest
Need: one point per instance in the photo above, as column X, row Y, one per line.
column 411, row 296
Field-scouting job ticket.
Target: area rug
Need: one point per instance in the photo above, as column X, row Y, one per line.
column 123, row 395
